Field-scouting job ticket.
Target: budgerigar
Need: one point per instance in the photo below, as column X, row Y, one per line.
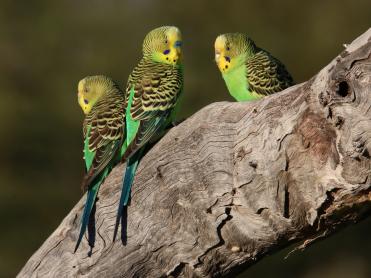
column 249, row 71
column 103, row 104
column 152, row 94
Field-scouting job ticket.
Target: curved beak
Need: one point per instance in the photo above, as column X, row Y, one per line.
column 82, row 102
column 217, row 56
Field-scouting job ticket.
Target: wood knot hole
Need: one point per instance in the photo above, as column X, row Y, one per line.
column 343, row 89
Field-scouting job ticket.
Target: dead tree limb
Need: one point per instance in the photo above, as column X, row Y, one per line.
column 235, row 182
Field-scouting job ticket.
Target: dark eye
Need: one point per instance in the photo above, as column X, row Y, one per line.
column 86, row 90
column 166, row 41
column 228, row 48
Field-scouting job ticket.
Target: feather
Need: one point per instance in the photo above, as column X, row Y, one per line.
column 131, row 167
column 266, row 75
column 90, row 200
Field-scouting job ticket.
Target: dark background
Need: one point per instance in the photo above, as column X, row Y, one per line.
column 47, row 46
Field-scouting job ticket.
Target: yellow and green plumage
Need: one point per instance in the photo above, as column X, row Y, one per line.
column 103, row 104
column 249, row 71
column 152, row 94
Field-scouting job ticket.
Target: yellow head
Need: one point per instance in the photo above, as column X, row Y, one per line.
column 231, row 49
column 164, row 45
column 91, row 89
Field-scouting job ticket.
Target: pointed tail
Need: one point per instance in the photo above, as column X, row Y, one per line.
column 90, row 200
column 131, row 167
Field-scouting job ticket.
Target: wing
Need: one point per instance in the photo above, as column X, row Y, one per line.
column 154, row 96
column 104, row 129
column 267, row 75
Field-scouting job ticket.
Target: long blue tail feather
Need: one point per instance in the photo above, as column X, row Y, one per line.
column 131, row 167
column 128, row 181
column 90, row 200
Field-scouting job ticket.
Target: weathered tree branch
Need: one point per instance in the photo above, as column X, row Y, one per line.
column 234, row 182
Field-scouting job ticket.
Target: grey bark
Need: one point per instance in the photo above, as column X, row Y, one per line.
column 235, row 182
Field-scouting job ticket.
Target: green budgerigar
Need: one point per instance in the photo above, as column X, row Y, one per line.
column 103, row 104
column 152, row 93
column 249, row 71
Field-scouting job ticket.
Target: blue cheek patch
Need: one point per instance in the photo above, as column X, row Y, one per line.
column 86, row 101
column 178, row 44
column 227, row 59
column 167, row 51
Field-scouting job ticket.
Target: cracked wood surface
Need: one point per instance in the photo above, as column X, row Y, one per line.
column 234, row 182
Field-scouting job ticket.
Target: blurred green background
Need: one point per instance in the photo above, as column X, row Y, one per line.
column 47, row 46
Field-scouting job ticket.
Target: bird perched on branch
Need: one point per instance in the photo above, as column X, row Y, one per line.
column 249, row 71
column 103, row 104
column 152, row 94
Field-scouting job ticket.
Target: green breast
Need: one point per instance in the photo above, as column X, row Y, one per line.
column 237, row 84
